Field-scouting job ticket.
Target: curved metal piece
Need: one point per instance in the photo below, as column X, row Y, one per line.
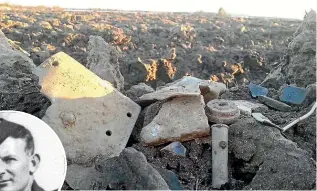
column 300, row 118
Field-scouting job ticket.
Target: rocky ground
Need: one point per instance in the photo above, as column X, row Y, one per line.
column 146, row 56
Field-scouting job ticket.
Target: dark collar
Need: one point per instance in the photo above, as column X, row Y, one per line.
column 36, row 187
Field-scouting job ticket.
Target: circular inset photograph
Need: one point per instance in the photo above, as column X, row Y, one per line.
column 32, row 156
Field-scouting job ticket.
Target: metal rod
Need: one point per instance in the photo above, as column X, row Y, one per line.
column 219, row 155
column 300, row 118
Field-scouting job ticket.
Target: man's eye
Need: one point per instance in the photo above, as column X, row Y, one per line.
column 9, row 159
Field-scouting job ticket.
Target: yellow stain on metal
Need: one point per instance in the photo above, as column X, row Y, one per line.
column 63, row 77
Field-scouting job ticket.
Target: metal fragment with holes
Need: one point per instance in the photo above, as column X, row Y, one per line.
column 222, row 111
column 88, row 114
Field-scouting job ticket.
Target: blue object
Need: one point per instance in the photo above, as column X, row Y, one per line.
column 179, row 149
column 257, row 90
column 294, row 95
column 174, row 182
column 170, row 178
column 176, row 148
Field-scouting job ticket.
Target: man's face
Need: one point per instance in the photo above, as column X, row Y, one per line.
column 15, row 165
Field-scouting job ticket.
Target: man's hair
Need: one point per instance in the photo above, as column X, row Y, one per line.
column 16, row 131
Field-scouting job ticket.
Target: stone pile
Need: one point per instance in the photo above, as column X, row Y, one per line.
column 95, row 123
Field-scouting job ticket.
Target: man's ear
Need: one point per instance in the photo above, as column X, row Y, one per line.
column 34, row 163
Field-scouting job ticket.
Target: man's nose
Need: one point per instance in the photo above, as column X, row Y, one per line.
column 2, row 168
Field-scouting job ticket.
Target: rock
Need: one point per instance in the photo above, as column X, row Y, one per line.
column 103, row 61
column 311, row 94
column 246, row 108
column 176, row 148
column 40, row 56
column 82, row 111
column 79, row 177
column 272, row 161
column 170, row 178
column 139, row 90
column 280, row 106
column 146, row 116
column 7, row 46
column 257, row 90
column 19, row 88
column 294, row 95
column 180, row 119
column 15, row 46
column 152, row 110
column 170, row 92
column 133, row 72
column 187, row 86
column 132, row 171
column 222, row 111
column 211, row 90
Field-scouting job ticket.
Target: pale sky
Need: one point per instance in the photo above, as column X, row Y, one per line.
column 267, row 8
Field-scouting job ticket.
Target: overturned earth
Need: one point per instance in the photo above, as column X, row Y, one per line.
column 159, row 49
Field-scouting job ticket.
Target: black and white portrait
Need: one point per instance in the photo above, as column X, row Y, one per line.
column 32, row 157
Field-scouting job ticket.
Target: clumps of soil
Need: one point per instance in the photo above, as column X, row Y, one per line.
column 228, row 49
column 193, row 171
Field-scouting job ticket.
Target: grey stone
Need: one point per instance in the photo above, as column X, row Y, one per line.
column 276, row 162
column 134, row 72
column 170, row 92
column 311, row 95
column 132, row 171
column 139, row 90
column 129, row 171
column 145, row 117
column 152, row 110
column 180, row 119
column 280, row 106
column 19, row 88
column 103, row 61
column 187, row 86
column 82, row 113
column 40, row 56
column 79, row 177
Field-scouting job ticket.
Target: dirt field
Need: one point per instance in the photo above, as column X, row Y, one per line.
column 226, row 49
